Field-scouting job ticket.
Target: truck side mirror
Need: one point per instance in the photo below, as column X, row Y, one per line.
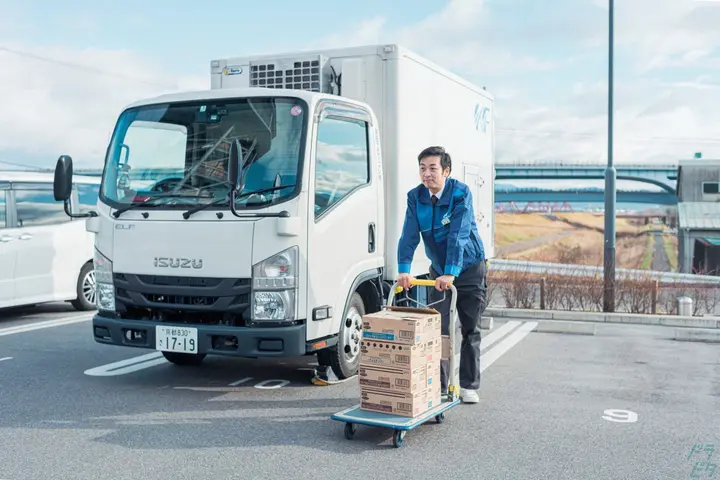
column 62, row 186
column 62, row 183
column 234, row 164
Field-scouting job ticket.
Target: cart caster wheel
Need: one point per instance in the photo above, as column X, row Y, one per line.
column 350, row 431
column 398, row 438
column 440, row 418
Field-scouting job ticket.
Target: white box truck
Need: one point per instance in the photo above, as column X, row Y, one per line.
column 286, row 260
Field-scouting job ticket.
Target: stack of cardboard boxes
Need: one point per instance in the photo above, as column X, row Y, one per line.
column 400, row 361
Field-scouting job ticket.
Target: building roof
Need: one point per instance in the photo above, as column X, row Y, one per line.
column 699, row 215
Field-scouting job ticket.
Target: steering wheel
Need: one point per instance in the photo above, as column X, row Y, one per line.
column 166, row 184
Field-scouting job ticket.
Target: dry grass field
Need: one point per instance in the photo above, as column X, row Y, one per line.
column 524, row 226
column 547, row 240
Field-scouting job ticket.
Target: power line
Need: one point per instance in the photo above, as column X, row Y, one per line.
column 81, row 67
column 23, row 165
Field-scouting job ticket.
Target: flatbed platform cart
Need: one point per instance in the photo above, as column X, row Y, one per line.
column 354, row 416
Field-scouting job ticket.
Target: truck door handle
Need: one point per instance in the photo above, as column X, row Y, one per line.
column 371, row 237
column 25, row 236
column 6, row 239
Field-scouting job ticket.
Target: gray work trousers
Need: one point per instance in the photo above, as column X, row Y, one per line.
column 471, row 288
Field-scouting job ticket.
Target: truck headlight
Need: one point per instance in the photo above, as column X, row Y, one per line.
column 104, row 286
column 274, row 287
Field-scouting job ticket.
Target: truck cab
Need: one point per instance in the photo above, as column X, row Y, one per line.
column 261, row 219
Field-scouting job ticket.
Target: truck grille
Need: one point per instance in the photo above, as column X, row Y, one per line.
column 215, row 301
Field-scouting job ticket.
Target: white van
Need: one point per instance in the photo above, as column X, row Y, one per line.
column 45, row 256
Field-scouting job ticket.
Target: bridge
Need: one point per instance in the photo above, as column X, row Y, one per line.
column 581, row 195
column 662, row 176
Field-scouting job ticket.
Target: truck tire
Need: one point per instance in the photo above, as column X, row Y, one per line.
column 85, row 289
column 344, row 357
column 184, row 359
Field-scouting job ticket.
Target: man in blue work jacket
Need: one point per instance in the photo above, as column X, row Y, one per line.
column 441, row 210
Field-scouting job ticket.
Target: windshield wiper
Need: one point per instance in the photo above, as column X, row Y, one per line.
column 147, row 202
column 221, row 201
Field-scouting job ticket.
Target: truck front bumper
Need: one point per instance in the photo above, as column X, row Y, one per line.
column 212, row 339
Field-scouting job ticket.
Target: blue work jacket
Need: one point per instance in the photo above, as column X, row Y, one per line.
column 448, row 229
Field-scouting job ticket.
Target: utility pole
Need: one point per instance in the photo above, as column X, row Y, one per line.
column 610, row 176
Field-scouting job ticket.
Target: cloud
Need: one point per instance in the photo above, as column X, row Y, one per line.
column 546, row 67
column 662, row 33
column 58, row 100
column 548, row 71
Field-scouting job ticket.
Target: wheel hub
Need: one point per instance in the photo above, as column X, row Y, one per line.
column 89, row 287
column 352, row 333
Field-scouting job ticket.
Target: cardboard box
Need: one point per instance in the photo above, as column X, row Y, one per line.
column 433, row 375
column 433, row 350
column 446, row 347
column 402, row 325
column 395, row 379
column 407, row 357
column 399, row 403
column 433, row 395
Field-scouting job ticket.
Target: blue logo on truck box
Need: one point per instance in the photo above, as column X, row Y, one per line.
column 481, row 117
column 232, row 70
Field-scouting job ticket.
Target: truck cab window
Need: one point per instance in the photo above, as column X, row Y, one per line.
column 342, row 163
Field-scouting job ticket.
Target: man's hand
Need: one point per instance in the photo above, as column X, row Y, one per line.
column 404, row 279
column 443, row 283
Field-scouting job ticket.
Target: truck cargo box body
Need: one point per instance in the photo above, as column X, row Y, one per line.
column 417, row 104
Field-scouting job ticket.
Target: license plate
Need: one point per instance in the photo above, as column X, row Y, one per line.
column 176, row 339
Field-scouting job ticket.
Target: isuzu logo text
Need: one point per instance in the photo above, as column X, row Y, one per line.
column 180, row 262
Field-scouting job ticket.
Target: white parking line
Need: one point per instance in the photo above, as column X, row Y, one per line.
column 128, row 365
column 496, row 335
column 46, row 324
column 5, row 358
column 510, row 341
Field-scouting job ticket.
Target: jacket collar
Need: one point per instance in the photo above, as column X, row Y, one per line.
column 445, row 194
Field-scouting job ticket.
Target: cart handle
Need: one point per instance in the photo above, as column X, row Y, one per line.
column 419, row 283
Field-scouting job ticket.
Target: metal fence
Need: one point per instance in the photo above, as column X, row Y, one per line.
column 547, row 268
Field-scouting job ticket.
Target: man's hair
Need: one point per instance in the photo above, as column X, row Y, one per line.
column 445, row 160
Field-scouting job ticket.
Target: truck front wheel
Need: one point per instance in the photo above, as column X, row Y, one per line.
column 344, row 357
column 184, row 359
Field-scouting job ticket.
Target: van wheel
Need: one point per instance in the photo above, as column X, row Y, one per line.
column 85, row 289
column 184, row 359
column 344, row 358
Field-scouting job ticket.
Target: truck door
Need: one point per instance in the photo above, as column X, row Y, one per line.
column 343, row 226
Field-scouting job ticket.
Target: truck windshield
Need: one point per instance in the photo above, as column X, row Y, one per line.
column 180, row 151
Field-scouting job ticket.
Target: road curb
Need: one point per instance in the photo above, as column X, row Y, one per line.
column 621, row 318
column 697, row 335
column 560, row 326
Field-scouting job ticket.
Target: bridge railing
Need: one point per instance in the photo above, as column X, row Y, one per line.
column 547, row 268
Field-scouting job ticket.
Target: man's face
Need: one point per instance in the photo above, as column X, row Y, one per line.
column 432, row 174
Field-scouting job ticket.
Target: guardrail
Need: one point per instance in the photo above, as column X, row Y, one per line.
column 547, row 268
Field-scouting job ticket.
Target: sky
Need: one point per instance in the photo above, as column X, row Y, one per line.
column 68, row 68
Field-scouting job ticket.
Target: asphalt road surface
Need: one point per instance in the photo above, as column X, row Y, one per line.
column 552, row 406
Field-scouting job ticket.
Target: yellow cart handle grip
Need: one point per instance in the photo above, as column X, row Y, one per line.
column 419, row 283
